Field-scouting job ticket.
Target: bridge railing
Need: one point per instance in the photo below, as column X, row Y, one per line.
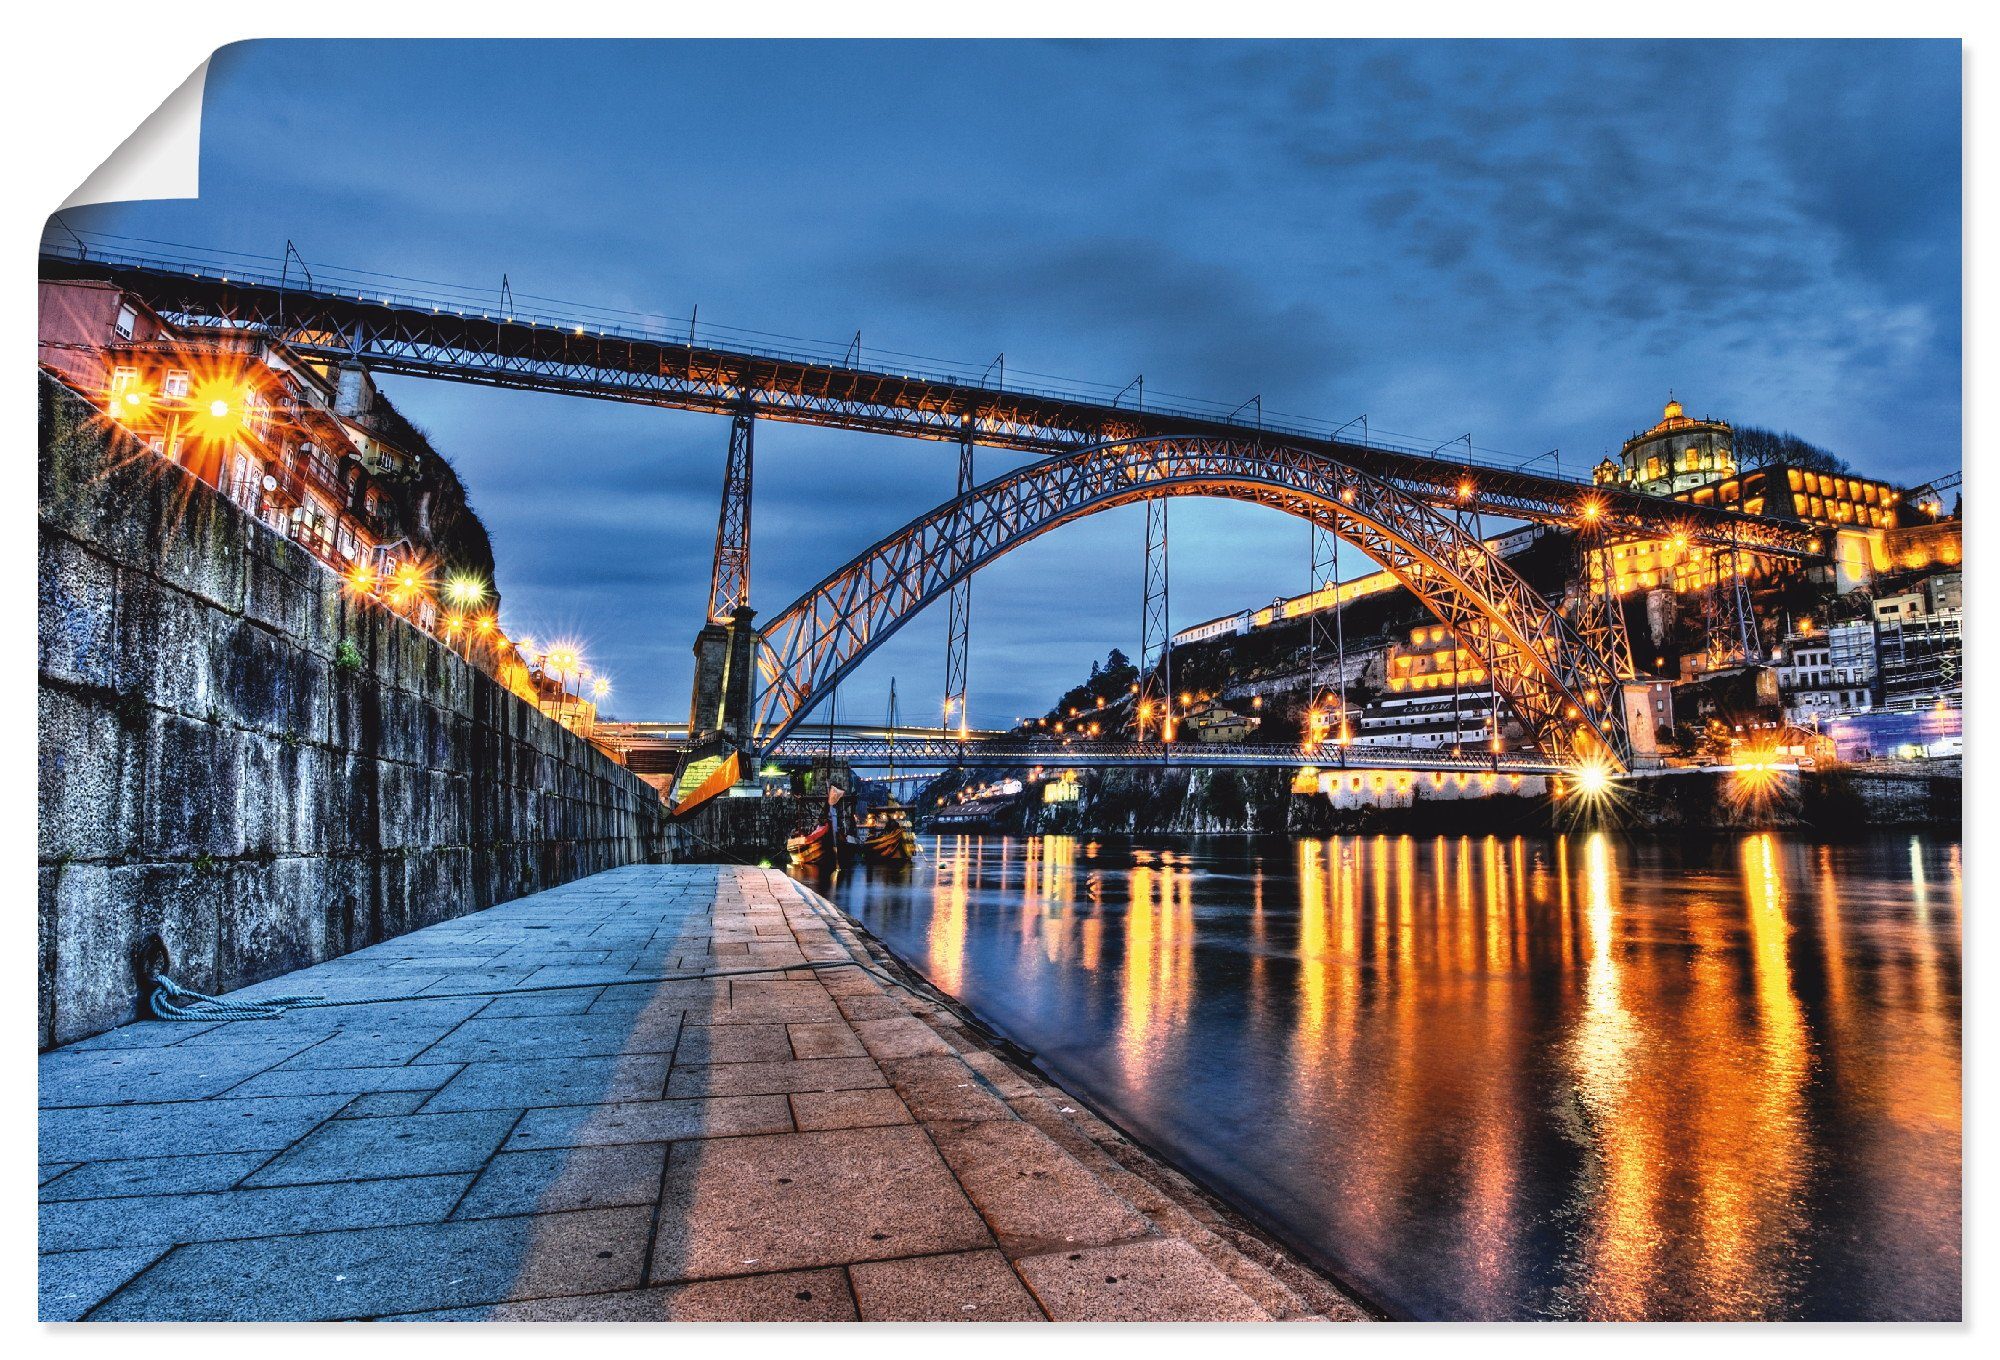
column 1059, row 755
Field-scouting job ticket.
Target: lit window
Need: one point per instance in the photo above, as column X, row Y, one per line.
column 176, row 384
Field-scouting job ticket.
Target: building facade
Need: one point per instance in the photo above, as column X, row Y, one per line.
column 1822, row 674
column 316, row 454
column 1678, row 454
column 1439, row 696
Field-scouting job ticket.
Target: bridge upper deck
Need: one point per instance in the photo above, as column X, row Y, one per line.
column 467, row 339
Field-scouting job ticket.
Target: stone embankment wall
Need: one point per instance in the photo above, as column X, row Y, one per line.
column 236, row 755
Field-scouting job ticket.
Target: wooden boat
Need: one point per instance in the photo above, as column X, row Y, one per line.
column 886, row 837
column 892, row 844
column 815, row 847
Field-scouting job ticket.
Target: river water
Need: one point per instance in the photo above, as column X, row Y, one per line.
column 1566, row 1077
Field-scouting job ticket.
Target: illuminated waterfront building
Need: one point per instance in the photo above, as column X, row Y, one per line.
column 1438, row 697
column 1678, row 454
column 1215, row 722
column 1825, row 673
column 1694, row 461
column 312, row 451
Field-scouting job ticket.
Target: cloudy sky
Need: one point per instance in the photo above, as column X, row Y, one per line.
column 1531, row 242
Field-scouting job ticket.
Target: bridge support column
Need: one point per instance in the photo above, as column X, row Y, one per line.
column 729, row 584
column 1326, row 630
column 1156, row 648
column 711, row 660
column 1600, row 614
column 1728, row 617
column 725, row 658
column 959, row 634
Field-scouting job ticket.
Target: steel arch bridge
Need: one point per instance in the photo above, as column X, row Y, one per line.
column 1562, row 687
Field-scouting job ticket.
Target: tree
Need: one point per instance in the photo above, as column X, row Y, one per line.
column 1757, row 447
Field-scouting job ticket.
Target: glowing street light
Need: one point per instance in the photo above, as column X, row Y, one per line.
column 465, row 590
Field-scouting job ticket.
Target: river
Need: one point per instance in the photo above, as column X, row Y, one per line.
column 1561, row 1077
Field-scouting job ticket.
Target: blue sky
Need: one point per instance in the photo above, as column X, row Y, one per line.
column 1532, row 242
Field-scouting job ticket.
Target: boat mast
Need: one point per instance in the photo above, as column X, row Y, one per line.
column 832, row 707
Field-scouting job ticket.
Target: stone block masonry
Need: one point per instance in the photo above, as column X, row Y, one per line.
column 237, row 755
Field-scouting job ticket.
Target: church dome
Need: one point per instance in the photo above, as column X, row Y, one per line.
column 1673, row 410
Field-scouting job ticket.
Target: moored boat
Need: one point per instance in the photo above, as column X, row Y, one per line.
column 886, row 836
column 813, row 847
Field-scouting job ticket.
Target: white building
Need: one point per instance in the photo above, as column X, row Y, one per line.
column 1824, row 675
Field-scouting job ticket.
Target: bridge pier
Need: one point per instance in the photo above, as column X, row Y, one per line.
column 725, row 657
column 958, row 636
column 729, row 582
column 1156, row 640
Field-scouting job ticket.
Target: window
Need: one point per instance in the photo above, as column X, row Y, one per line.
column 123, row 378
column 176, row 384
column 245, row 482
column 128, row 320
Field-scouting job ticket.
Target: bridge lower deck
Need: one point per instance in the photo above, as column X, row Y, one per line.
column 824, row 1143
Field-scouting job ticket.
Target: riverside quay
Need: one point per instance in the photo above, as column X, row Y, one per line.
column 605, row 810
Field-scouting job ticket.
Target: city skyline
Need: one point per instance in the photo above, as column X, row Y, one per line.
column 1338, row 258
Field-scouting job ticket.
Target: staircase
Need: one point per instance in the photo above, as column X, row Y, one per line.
column 706, row 772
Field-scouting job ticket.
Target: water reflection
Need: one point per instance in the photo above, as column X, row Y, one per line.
column 1488, row 1077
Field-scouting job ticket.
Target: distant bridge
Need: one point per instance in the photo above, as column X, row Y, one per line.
column 1082, row 753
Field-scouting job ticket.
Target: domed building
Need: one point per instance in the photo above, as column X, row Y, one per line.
column 1678, row 454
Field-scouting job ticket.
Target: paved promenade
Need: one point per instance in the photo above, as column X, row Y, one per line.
column 819, row 1144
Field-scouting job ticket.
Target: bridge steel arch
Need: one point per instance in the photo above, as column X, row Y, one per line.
column 1562, row 687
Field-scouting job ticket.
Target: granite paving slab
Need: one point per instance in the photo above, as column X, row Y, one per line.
column 806, row 1144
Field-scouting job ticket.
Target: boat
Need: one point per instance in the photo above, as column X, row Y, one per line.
column 823, row 846
column 886, row 837
column 814, row 847
column 885, row 833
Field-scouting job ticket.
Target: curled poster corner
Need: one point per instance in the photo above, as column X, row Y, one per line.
column 162, row 157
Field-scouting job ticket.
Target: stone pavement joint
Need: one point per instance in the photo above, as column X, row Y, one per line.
column 809, row 1146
